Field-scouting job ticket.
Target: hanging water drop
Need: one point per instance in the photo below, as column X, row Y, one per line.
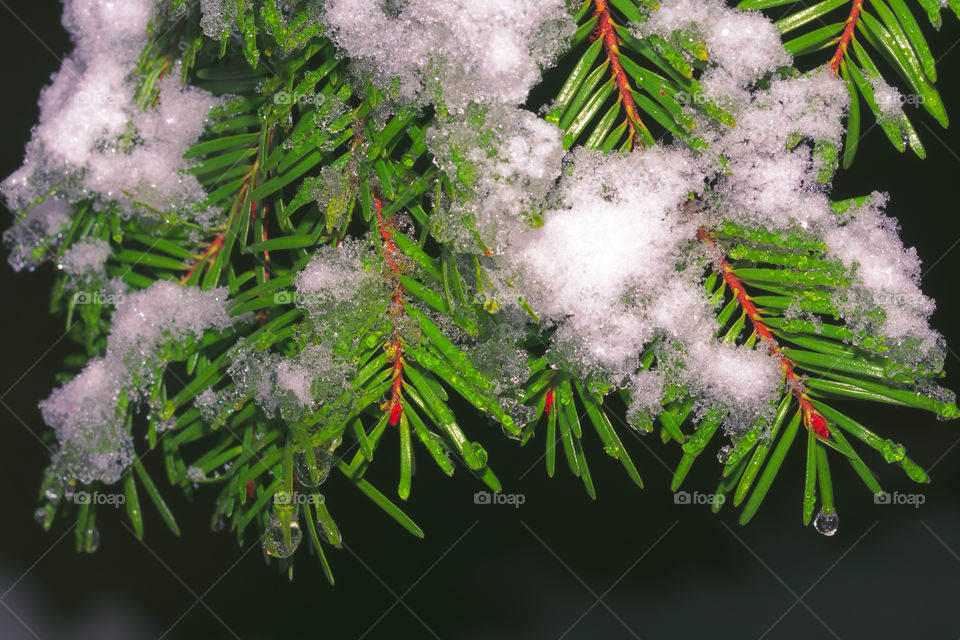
column 322, row 461
column 724, row 453
column 826, row 523
column 480, row 453
column 642, row 426
column 52, row 493
column 326, row 528
column 511, row 434
column 92, row 540
column 892, row 452
column 279, row 542
column 69, row 488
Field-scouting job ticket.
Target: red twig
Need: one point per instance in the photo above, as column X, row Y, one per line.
column 387, row 228
column 607, row 30
column 812, row 418
column 846, row 36
column 212, row 250
column 217, row 244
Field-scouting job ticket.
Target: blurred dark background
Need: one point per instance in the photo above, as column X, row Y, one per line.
column 631, row 564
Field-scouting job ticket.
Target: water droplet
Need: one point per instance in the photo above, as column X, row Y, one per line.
column 40, row 515
column 323, row 458
column 892, row 452
column 279, row 542
column 612, row 450
column 69, row 488
column 827, row 524
column 442, row 444
column 219, row 523
column 640, row 430
column 326, row 529
column 480, row 452
column 724, row 453
column 328, row 535
column 92, row 542
column 510, row 434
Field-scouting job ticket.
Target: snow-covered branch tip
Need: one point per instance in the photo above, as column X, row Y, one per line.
column 607, row 30
column 812, row 419
column 367, row 308
column 386, row 228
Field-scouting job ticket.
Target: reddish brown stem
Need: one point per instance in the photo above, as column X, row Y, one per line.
column 266, row 254
column 212, row 250
column 387, row 229
column 846, row 36
column 607, row 30
column 217, row 244
column 812, row 418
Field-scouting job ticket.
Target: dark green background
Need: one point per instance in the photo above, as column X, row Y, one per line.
column 495, row 571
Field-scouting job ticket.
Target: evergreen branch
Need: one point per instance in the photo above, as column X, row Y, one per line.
column 607, row 32
column 891, row 30
column 740, row 469
column 386, row 229
column 664, row 92
column 812, row 419
column 554, row 393
column 304, row 157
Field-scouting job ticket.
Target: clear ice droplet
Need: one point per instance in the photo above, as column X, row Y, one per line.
column 92, row 540
column 276, row 543
column 324, row 460
column 827, row 524
column 724, row 453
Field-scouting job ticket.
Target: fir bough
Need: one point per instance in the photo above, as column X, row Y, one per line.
column 290, row 231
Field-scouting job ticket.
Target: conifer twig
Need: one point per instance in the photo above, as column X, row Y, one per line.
column 846, row 36
column 812, row 418
column 607, row 30
column 387, row 227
